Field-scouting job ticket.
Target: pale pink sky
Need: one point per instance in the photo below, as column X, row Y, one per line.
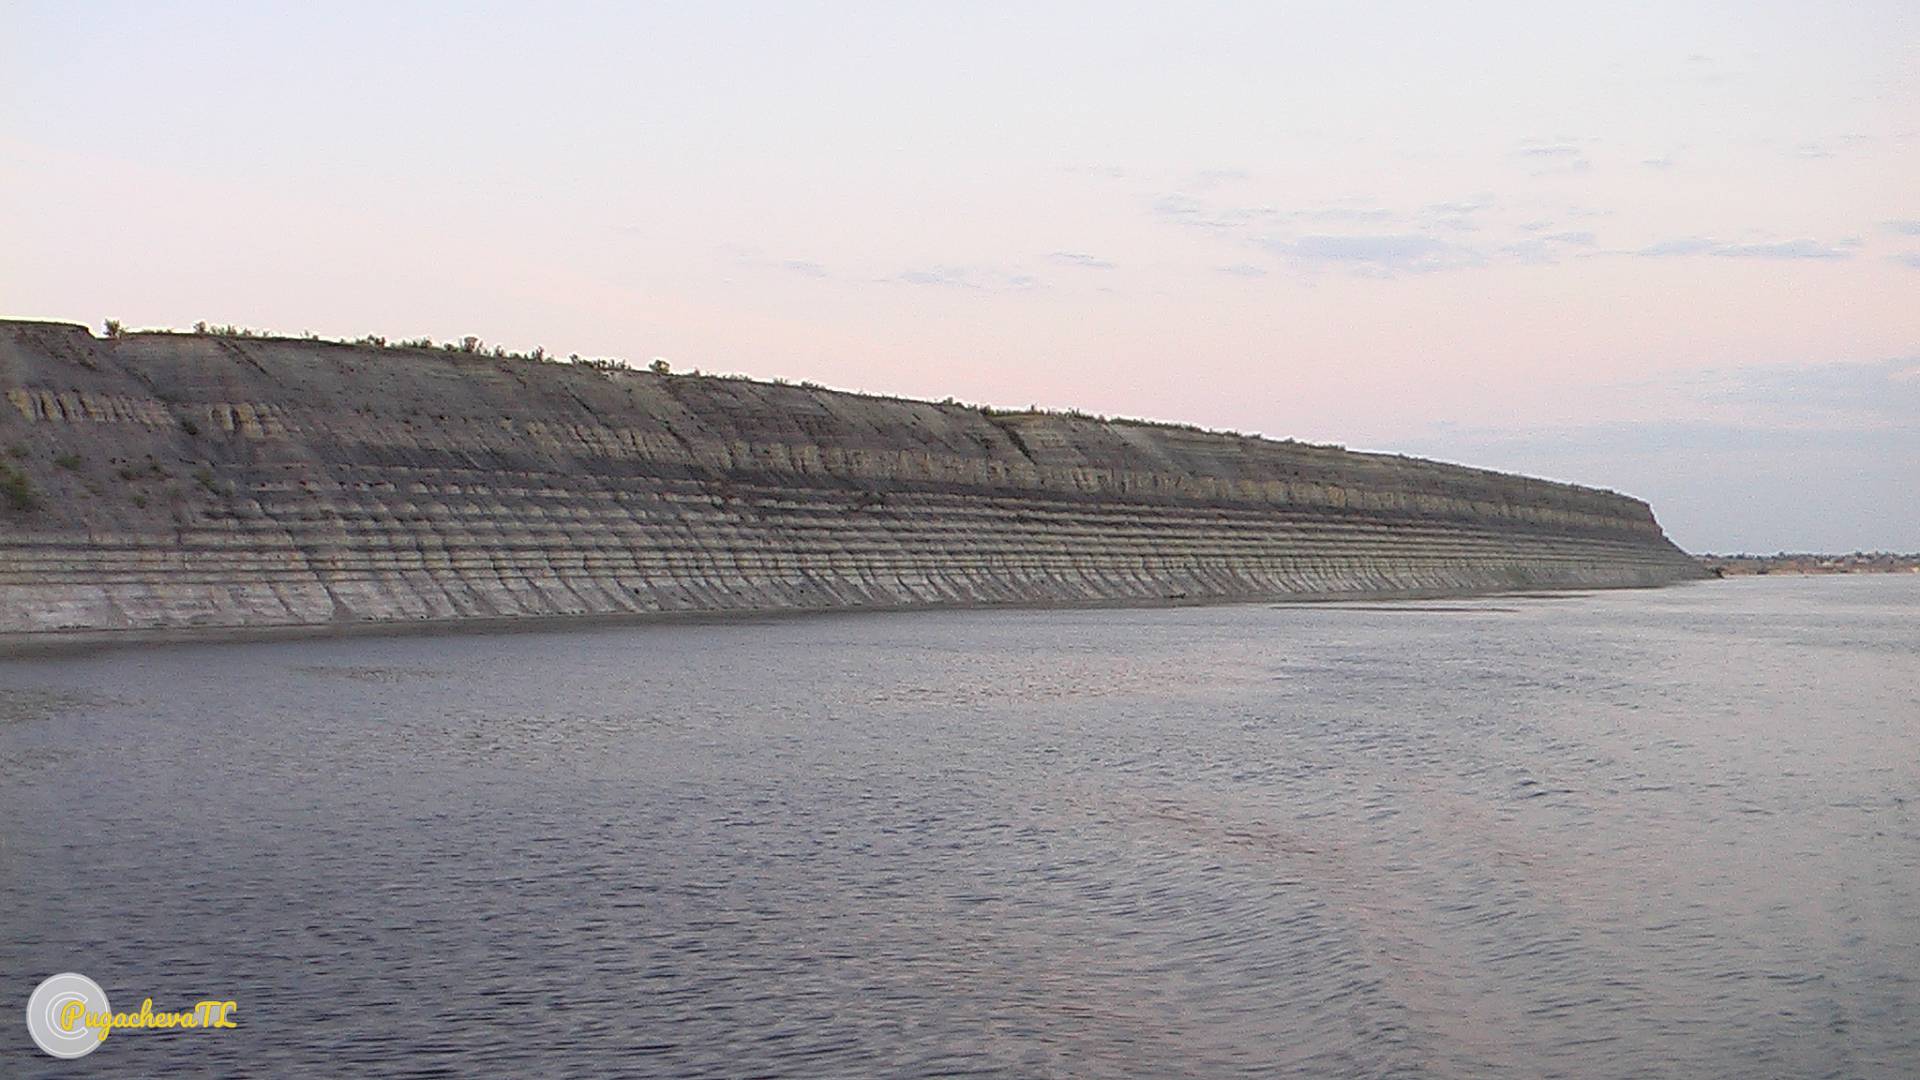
column 1672, row 249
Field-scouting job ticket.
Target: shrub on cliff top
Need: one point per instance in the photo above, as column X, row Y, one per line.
column 17, row 489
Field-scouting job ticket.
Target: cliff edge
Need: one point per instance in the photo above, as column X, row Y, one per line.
column 188, row 483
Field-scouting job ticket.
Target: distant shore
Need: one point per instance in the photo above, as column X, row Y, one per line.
column 1859, row 562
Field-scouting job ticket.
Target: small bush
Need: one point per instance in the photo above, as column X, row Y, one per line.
column 114, row 328
column 69, row 462
column 187, row 425
column 18, row 490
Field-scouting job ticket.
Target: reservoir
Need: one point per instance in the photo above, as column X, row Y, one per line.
column 1610, row 834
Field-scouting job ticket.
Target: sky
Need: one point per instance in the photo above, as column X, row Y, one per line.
column 1670, row 249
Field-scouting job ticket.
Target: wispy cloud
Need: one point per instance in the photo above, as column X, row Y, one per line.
column 1379, row 255
column 1910, row 258
column 1752, row 458
column 1773, row 249
column 1211, row 178
column 1081, row 258
column 804, row 267
column 1549, row 248
column 1555, row 155
column 981, row 279
column 1904, row 228
column 1183, row 209
column 1783, row 249
column 1246, row 270
column 1686, row 245
column 1461, row 215
column 1848, row 395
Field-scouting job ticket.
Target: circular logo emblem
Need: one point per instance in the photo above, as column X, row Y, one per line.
column 56, row 1015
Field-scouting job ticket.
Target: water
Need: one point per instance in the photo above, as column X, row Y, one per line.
column 1665, row 833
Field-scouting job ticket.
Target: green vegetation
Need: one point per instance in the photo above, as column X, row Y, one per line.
column 152, row 469
column 17, row 489
column 228, row 330
column 69, row 462
column 471, row 345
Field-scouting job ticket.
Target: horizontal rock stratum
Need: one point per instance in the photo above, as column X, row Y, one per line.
column 181, row 484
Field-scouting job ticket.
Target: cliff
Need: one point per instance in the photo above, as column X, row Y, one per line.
column 165, row 482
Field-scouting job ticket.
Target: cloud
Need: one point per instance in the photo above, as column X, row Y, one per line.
column 1081, row 258
column 1357, row 236
column 1352, row 214
column 1664, row 161
column 1460, row 214
column 1185, row 209
column 1861, row 393
column 1210, row 178
column 1911, row 258
column 1380, row 255
column 1783, row 249
column 1549, row 248
column 1774, row 249
column 805, row 267
column 1691, row 245
column 1904, row 228
column 981, row 279
column 1555, row 156
column 1246, row 270
column 1811, row 152
column 1760, row 458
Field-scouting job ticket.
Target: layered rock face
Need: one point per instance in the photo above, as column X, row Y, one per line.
column 167, row 482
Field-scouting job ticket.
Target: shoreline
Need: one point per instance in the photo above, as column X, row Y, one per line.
column 81, row 642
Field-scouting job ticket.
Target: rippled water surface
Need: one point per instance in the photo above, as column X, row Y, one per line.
column 1667, row 833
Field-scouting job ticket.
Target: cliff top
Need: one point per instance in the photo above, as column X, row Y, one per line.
column 472, row 356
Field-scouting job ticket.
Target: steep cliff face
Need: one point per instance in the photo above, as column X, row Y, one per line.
column 160, row 482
